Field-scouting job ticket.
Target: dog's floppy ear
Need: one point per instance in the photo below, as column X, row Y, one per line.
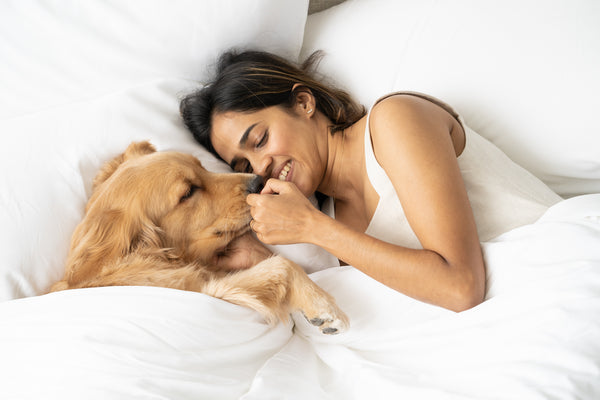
column 108, row 232
column 101, row 238
column 135, row 149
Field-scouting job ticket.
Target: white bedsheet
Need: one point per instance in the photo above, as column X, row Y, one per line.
column 537, row 335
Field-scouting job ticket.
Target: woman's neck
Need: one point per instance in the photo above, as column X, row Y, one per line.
column 342, row 177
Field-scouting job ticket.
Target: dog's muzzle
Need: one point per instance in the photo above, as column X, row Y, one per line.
column 255, row 185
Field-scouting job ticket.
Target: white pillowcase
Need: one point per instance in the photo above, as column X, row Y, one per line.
column 523, row 73
column 54, row 51
column 83, row 80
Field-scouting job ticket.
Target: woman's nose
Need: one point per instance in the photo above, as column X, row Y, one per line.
column 261, row 166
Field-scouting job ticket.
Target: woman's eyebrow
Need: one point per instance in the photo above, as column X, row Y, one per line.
column 244, row 138
column 241, row 145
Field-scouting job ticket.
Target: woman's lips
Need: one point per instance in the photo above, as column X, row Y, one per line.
column 285, row 172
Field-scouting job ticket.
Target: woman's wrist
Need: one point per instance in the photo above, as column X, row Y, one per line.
column 319, row 226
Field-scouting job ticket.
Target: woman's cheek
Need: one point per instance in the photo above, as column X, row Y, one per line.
column 308, row 187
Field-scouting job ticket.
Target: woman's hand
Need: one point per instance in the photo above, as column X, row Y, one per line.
column 281, row 213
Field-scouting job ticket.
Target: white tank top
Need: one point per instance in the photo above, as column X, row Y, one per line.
column 502, row 194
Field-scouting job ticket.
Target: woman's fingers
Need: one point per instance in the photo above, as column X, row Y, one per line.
column 276, row 186
column 279, row 213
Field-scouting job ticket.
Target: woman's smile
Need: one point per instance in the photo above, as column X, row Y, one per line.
column 285, row 173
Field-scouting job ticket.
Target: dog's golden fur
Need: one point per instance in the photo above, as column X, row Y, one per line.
column 159, row 219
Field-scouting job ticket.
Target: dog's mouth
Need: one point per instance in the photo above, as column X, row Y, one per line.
column 245, row 229
column 231, row 235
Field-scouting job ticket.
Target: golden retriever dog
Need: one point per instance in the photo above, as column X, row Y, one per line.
column 161, row 219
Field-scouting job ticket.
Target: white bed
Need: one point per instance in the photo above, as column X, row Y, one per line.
column 80, row 80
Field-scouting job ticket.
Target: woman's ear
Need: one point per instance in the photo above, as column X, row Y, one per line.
column 305, row 103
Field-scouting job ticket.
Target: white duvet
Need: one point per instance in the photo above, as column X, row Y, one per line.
column 80, row 80
column 537, row 335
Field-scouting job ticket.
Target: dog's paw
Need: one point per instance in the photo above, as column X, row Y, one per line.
column 330, row 323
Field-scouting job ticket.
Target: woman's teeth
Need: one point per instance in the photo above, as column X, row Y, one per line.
column 284, row 171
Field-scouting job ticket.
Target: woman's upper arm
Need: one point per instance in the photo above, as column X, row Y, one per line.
column 412, row 142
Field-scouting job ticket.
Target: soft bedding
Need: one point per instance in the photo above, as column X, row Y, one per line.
column 81, row 80
column 535, row 336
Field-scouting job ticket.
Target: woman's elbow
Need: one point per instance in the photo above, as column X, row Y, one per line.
column 469, row 293
column 466, row 301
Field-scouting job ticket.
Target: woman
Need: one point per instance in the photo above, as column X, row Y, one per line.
column 402, row 213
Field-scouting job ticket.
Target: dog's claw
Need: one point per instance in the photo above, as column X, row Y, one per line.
column 329, row 324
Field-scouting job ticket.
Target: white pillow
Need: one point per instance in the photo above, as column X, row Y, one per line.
column 87, row 78
column 54, row 52
column 523, row 73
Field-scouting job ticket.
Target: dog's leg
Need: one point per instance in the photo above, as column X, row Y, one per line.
column 317, row 306
column 139, row 270
column 275, row 287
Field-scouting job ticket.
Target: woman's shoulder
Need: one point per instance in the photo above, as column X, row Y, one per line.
column 401, row 118
column 393, row 102
column 413, row 104
column 405, row 111
column 412, row 100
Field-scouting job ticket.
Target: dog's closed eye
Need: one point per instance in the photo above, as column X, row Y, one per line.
column 189, row 193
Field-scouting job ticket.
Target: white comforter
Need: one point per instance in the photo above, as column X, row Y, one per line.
column 537, row 335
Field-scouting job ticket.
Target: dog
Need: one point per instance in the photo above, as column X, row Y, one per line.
column 161, row 219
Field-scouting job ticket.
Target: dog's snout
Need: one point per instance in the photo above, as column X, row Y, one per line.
column 255, row 185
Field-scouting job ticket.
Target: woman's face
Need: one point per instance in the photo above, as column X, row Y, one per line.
column 273, row 142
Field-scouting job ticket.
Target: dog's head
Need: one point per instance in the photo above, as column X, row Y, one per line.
column 161, row 202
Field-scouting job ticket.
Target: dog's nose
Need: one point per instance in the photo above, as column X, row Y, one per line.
column 255, row 185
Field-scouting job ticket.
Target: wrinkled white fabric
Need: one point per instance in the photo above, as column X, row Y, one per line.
column 535, row 337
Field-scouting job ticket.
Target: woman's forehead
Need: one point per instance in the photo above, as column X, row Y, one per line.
column 227, row 122
column 228, row 130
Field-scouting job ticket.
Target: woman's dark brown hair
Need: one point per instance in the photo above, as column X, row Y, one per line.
column 251, row 80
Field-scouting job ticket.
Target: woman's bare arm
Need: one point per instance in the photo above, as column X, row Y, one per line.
column 412, row 142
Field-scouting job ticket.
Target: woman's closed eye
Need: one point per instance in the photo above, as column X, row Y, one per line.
column 244, row 165
column 263, row 140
